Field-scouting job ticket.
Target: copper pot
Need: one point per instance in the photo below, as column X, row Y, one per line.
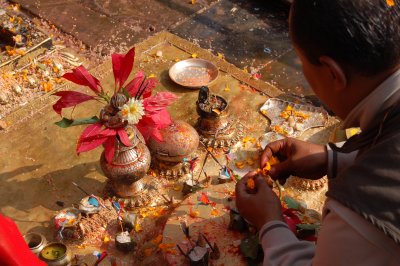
column 180, row 140
column 129, row 164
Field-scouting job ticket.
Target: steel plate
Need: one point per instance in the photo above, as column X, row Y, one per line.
column 194, row 73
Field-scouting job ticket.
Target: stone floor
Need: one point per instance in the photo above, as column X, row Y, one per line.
column 250, row 34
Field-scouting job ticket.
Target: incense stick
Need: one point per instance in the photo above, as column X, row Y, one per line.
column 81, row 189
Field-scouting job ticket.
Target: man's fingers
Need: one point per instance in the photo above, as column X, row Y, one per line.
column 241, row 184
column 281, row 171
column 261, row 182
column 273, row 148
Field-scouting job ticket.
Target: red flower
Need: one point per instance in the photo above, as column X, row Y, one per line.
column 156, row 116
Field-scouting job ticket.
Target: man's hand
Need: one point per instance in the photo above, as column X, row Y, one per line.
column 297, row 158
column 259, row 207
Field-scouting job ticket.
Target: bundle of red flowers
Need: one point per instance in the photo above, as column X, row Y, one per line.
column 132, row 104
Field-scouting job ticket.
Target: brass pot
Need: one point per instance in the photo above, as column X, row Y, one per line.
column 56, row 254
column 129, row 165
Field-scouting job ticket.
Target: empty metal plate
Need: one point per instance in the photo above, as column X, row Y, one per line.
column 193, row 73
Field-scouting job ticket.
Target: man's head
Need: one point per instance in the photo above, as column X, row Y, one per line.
column 344, row 44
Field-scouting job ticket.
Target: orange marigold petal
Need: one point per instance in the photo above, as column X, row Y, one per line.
column 250, row 183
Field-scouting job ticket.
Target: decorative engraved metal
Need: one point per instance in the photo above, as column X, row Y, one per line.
column 217, row 128
column 180, row 140
column 128, row 166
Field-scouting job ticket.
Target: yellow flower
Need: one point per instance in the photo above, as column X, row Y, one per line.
column 132, row 111
column 17, row 38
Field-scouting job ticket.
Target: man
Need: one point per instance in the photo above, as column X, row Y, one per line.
column 350, row 52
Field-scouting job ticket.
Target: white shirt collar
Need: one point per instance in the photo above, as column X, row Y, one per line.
column 378, row 100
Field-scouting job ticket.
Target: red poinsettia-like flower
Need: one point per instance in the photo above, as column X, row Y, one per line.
column 151, row 118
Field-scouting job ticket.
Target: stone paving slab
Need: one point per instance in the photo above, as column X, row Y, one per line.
column 107, row 25
column 249, row 33
column 286, row 73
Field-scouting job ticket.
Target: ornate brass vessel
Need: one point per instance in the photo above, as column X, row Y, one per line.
column 217, row 128
column 129, row 165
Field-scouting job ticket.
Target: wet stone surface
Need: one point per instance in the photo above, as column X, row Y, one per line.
column 105, row 25
column 248, row 33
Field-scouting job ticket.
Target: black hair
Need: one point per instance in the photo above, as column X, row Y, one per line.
column 361, row 34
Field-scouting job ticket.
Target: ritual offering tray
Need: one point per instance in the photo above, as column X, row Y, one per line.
column 292, row 119
column 244, row 161
column 194, row 73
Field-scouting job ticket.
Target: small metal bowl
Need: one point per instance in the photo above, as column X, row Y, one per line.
column 36, row 242
column 193, row 73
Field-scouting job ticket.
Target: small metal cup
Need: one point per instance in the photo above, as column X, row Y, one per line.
column 35, row 242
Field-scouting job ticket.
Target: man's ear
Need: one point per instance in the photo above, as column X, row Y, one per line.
column 336, row 71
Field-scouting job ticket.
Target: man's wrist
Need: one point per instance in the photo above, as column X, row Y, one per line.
column 269, row 220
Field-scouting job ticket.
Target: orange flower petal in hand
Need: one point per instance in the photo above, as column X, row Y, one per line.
column 250, row 184
column 390, row 3
column 265, row 170
column 273, row 160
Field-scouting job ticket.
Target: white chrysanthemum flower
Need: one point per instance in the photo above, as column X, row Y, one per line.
column 132, row 111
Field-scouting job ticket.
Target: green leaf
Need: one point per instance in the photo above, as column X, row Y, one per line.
column 65, row 122
column 249, row 247
column 41, row 66
column 308, row 227
column 125, row 92
column 291, row 203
